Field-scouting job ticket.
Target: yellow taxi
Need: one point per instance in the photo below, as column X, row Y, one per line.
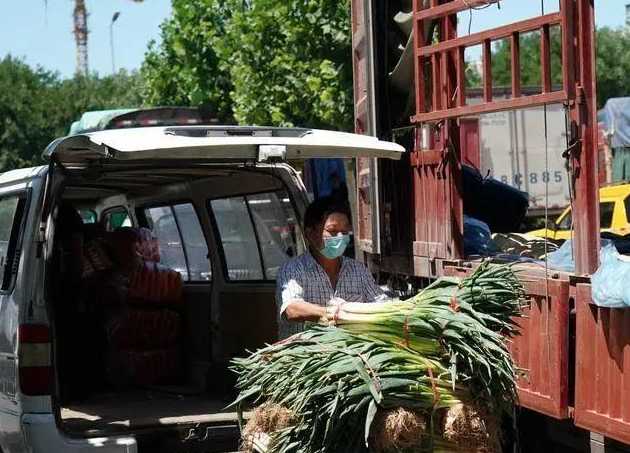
column 614, row 215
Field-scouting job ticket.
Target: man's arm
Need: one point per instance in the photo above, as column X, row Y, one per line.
column 290, row 296
column 298, row 310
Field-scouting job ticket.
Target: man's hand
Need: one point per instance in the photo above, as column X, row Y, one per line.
column 332, row 310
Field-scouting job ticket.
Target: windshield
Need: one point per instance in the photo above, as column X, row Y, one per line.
column 606, row 209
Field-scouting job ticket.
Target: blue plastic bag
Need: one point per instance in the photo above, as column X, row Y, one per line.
column 610, row 285
column 562, row 259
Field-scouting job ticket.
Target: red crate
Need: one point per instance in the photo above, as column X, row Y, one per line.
column 602, row 393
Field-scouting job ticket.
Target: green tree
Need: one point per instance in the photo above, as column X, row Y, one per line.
column 262, row 62
column 613, row 64
column 36, row 106
column 25, row 108
column 81, row 94
column 530, row 60
column 185, row 69
column 291, row 63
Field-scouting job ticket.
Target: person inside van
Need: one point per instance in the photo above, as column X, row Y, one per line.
column 322, row 276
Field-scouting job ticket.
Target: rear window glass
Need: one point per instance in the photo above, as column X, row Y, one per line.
column 606, row 210
column 87, row 215
column 115, row 218
column 565, row 223
column 238, row 239
column 8, row 208
column 11, row 215
column 258, row 234
column 183, row 246
column 275, row 224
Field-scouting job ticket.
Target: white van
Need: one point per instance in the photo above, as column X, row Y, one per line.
column 109, row 358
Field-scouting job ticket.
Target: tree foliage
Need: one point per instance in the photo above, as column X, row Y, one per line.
column 36, row 106
column 531, row 73
column 613, row 64
column 264, row 62
column 185, row 68
column 290, row 63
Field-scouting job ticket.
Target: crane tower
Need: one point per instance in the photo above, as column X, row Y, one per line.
column 81, row 36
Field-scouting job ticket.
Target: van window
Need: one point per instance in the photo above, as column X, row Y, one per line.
column 258, row 234
column 183, row 246
column 11, row 213
column 238, row 239
column 606, row 209
column 116, row 218
column 566, row 222
column 87, row 215
column 275, row 223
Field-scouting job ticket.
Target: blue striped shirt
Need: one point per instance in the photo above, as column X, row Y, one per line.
column 303, row 278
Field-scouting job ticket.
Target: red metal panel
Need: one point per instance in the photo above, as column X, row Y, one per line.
column 359, row 67
column 567, row 11
column 496, row 106
column 494, row 34
column 583, row 113
column 469, row 141
column 541, row 352
column 439, row 223
column 578, row 92
column 367, row 223
column 602, row 392
column 515, row 50
column 449, row 46
column 545, row 59
column 434, row 235
column 447, row 9
column 419, row 66
column 487, row 71
column 461, row 77
column 542, row 349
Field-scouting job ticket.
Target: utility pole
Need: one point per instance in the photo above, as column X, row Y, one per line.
column 111, row 39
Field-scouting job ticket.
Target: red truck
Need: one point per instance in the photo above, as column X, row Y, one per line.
column 575, row 357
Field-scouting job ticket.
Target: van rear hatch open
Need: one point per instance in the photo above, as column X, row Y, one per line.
column 229, row 144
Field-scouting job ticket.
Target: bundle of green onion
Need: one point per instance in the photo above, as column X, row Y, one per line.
column 425, row 353
column 470, row 319
column 334, row 381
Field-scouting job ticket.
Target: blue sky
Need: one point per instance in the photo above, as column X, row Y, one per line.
column 43, row 35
